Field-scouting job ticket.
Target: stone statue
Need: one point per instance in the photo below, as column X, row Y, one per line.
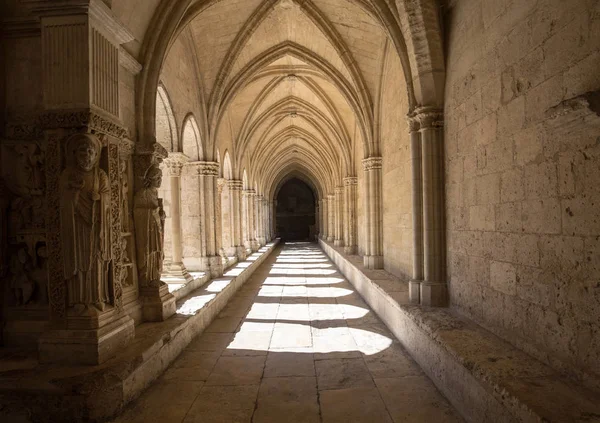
column 85, row 225
column 21, row 284
column 149, row 218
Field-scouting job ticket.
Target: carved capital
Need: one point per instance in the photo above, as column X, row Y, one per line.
column 339, row 190
column 175, row 162
column 249, row 193
column 413, row 122
column 350, row 180
column 235, row 185
column 429, row 117
column 372, row 163
column 205, row 168
column 126, row 147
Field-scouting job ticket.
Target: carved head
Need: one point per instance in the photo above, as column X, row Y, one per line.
column 153, row 177
column 83, row 151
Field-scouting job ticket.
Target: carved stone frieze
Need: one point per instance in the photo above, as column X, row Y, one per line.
column 372, row 163
column 116, row 207
column 83, row 118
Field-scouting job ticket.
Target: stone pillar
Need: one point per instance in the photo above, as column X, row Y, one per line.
column 339, row 216
column 325, row 218
column 417, row 210
column 174, row 164
column 211, row 261
column 260, row 230
column 331, row 218
column 350, row 185
column 273, row 219
column 80, row 50
column 235, row 200
column 373, row 258
column 221, row 182
column 250, row 242
column 433, row 290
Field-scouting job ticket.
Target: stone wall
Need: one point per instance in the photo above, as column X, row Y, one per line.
column 395, row 149
column 522, row 184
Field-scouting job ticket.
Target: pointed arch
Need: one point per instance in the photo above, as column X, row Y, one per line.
column 166, row 127
column 227, row 168
column 191, row 140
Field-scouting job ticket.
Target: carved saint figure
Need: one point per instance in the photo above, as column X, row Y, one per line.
column 85, row 225
column 149, row 218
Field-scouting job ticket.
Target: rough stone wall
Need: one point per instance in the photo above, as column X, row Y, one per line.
column 523, row 188
column 395, row 148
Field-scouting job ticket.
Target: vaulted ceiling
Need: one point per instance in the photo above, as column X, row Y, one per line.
column 289, row 85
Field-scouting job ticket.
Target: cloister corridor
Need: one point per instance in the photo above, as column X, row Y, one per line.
column 296, row 344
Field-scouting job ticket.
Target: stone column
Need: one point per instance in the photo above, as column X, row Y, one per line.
column 325, row 218
column 260, row 230
column 433, row 290
column 331, row 218
column 211, row 261
column 235, row 200
column 221, row 182
column 174, row 164
column 273, row 219
column 339, row 216
column 350, row 184
column 79, row 72
column 373, row 258
column 250, row 242
column 417, row 210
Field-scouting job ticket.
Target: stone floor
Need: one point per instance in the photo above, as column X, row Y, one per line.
column 296, row 344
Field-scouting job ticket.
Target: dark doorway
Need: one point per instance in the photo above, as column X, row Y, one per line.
column 296, row 211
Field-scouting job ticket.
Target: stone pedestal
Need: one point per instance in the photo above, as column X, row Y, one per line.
column 157, row 303
column 86, row 340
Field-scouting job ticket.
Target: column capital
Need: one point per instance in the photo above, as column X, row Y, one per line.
column 372, row 163
column 249, row 192
column 427, row 117
column 339, row 189
column 331, row 197
column 174, row 163
column 205, row 168
column 235, row 184
column 350, row 180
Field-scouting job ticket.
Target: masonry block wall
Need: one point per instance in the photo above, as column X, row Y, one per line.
column 523, row 174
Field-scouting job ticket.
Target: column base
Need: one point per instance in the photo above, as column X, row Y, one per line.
column 262, row 241
column 178, row 270
column 373, row 262
column 338, row 243
column 330, row 239
column 91, row 346
column 213, row 266
column 158, row 304
column 240, row 252
column 434, row 294
column 414, row 292
column 350, row 250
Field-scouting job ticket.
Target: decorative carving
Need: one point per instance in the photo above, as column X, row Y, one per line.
column 56, row 281
column 350, row 180
column 85, row 224
column 413, row 122
column 428, row 117
column 175, row 162
column 149, row 218
column 116, row 227
column 207, row 168
column 90, row 119
column 372, row 163
column 235, row 185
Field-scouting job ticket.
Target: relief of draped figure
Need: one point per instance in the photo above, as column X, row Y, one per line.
column 85, row 225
